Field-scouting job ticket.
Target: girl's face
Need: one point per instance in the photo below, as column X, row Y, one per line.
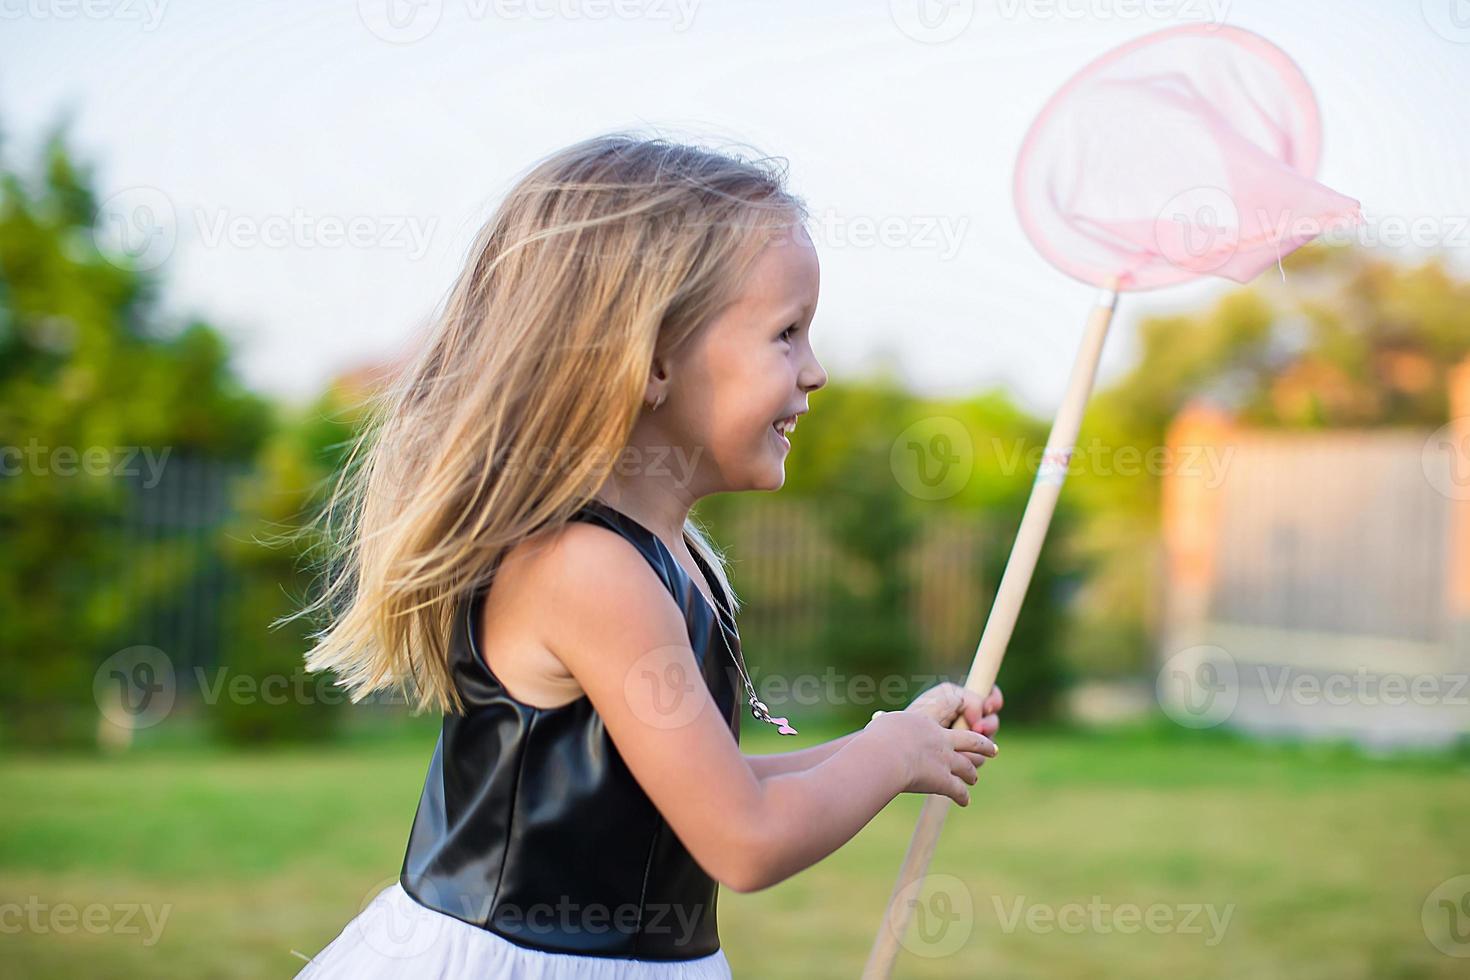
column 749, row 369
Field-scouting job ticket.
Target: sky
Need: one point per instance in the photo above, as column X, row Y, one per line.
column 308, row 176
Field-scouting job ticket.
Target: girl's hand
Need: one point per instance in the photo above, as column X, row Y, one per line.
column 944, row 703
column 936, row 758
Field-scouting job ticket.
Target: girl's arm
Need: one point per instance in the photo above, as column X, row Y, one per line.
column 797, row 760
column 943, row 701
column 616, row 628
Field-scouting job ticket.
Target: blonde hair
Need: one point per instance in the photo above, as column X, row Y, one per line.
column 602, row 256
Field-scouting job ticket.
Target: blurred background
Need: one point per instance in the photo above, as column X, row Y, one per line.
column 1237, row 720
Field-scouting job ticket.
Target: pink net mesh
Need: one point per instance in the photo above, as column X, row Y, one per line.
column 1187, row 152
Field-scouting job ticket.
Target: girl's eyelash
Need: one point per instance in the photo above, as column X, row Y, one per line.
column 790, row 328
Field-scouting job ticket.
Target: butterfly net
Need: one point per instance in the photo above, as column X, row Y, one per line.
column 1187, row 152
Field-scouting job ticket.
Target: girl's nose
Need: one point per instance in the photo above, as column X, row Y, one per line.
column 814, row 376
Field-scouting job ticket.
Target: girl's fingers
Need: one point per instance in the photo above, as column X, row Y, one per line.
column 976, row 709
column 949, row 701
column 973, row 741
column 973, row 708
column 943, row 702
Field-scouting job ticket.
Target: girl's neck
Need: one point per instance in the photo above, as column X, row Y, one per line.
column 660, row 509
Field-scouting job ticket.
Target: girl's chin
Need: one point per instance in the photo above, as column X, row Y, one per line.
column 780, row 446
column 775, row 480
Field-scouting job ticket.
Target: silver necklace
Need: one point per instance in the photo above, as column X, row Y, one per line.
column 758, row 707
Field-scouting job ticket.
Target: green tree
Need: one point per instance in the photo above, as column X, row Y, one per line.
column 89, row 368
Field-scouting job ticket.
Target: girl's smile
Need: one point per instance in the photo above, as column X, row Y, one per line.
column 784, row 426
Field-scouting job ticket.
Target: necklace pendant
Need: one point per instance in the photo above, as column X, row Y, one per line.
column 762, row 713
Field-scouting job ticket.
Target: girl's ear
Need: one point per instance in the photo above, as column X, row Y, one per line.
column 657, row 388
column 659, row 371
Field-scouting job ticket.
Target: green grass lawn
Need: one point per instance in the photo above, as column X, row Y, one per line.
column 1312, row 862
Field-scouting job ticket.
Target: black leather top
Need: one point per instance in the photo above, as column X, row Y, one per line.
column 532, row 826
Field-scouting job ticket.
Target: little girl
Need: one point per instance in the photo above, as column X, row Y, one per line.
column 629, row 335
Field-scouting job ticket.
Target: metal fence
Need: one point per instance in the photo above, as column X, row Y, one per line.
column 173, row 593
column 783, row 566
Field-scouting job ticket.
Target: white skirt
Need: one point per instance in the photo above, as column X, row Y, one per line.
column 395, row 936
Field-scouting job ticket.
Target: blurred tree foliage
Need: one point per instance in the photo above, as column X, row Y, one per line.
column 272, row 543
column 88, row 369
column 1349, row 340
